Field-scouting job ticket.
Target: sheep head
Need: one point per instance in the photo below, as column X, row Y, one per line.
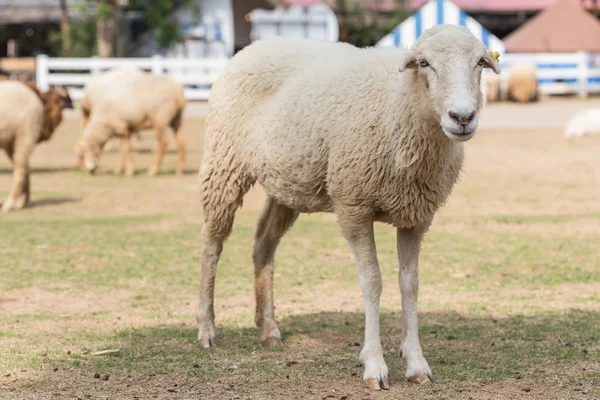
column 87, row 155
column 95, row 135
column 55, row 101
column 447, row 62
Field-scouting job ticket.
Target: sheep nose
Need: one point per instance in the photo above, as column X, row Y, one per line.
column 463, row 118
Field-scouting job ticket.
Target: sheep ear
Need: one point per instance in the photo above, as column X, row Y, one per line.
column 491, row 63
column 407, row 60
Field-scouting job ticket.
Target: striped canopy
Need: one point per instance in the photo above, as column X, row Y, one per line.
column 436, row 12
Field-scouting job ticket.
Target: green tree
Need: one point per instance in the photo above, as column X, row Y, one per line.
column 159, row 15
column 362, row 26
column 97, row 30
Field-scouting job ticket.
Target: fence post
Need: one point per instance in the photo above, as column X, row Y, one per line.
column 157, row 64
column 95, row 67
column 583, row 73
column 41, row 72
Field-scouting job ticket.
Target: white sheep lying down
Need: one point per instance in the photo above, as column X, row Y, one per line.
column 584, row 123
column 368, row 134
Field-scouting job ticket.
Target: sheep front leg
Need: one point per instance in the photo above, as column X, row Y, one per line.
column 409, row 244
column 162, row 142
column 19, row 193
column 362, row 241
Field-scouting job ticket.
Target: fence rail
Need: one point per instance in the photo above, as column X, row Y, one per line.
column 559, row 73
column 196, row 75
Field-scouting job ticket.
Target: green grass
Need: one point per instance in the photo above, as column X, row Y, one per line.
column 96, row 254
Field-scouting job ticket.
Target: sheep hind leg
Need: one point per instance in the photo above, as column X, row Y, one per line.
column 180, row 139
column 220, row 202
column 273, row 224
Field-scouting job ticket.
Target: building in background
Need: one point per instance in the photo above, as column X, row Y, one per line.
column 303, row 19
column 25, row 25
column 564, row 27
column 436, row 12
column 501, row 17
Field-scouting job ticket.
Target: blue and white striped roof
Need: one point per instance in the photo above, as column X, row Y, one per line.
column 436, row 12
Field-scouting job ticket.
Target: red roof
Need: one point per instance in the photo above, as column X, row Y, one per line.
column 500, row 5
column 564, row 27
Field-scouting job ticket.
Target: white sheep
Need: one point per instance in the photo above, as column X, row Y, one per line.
column 95, row 88
column 149, row 100
column 27, row 117
column 99, row 84
column 584, row 123
column 369, row 134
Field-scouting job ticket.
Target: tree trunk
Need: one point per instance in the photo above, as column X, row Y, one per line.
column 64, row 29
column 106, row 25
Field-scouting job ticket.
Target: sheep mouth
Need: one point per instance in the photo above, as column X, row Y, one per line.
column 460, row 134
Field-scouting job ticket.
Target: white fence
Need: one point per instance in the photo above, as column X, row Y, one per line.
column 197, row 75
column 560, row 73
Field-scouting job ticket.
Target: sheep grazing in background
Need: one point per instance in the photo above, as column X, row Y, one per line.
column 146, row 101
column 99, row 84
column 523, row 83
column 585, row 122
column 368, row 134
column 94, row 90
column 27, row 117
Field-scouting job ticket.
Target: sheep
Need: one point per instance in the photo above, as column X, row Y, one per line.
column 145, row 101
column 99, row 84
column 95, row 88
column 584, row 123
column 28, row 117
column 372, row 135
column 523, row 83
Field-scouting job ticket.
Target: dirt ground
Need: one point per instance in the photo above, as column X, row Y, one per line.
column 509, row 300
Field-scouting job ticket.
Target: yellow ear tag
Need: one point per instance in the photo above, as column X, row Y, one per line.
column 495, row 55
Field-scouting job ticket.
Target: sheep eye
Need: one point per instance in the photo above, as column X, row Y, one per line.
column 423, row 63
column 481, row 62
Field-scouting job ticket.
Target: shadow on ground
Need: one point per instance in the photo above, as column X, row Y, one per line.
column 52, row 201
column 546, row 356
column 44, row 170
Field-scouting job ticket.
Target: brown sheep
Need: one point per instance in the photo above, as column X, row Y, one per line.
column 28, row 117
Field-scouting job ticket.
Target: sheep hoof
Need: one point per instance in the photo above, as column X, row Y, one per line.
column 421, row 379
column 13, row 205
column 207, row 342
column 375, row 384
column 206, row 337
column 272, row 342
